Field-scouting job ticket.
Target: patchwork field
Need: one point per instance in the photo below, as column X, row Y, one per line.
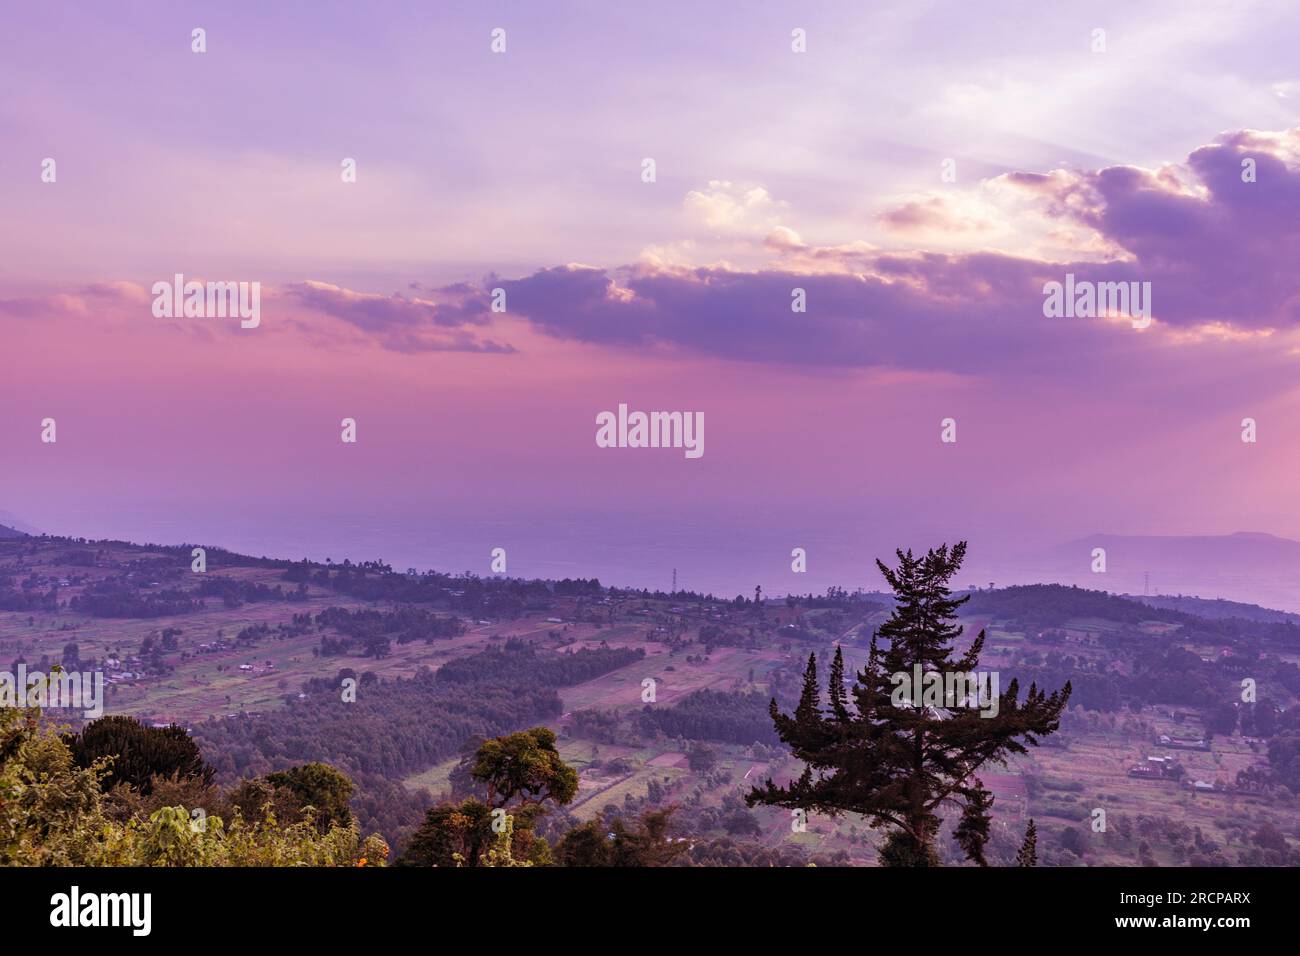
column 234, row 656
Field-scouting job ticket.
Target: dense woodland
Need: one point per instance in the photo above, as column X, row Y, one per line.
column 727, row 717
column 394, row 728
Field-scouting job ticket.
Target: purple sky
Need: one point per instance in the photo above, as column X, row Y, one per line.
column 775, row 170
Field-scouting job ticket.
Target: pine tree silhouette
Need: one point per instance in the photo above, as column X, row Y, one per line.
column 899, row 765
column 972, row 831
column 1028, row 855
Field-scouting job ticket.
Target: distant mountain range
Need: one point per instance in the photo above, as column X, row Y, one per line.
column 1201, row 553
column 11, row 526
column 1250, row 567
column 1211, row 571
column 1216, row 609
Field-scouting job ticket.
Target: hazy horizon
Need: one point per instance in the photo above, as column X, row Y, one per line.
column 919, row 173
column 580, row 546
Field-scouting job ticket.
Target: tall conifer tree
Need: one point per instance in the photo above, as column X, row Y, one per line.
column 900, row 765
column 1028, row 855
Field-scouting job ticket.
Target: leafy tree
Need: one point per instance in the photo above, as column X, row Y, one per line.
column 741, row 822
column 450, row 832
column 463, row 834
column 588, row 844
column 596, row 843
column 252, row 799
column 321, row 787
column 1270, row 838
column 526, row 767
column 898, row 765
column 1145, row 856
column 1221, row 718
column 1284, row 759
column 701, row 758
column 523, row 769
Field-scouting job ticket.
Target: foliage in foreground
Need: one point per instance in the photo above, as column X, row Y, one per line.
column 55, row 813
column 522, row 777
